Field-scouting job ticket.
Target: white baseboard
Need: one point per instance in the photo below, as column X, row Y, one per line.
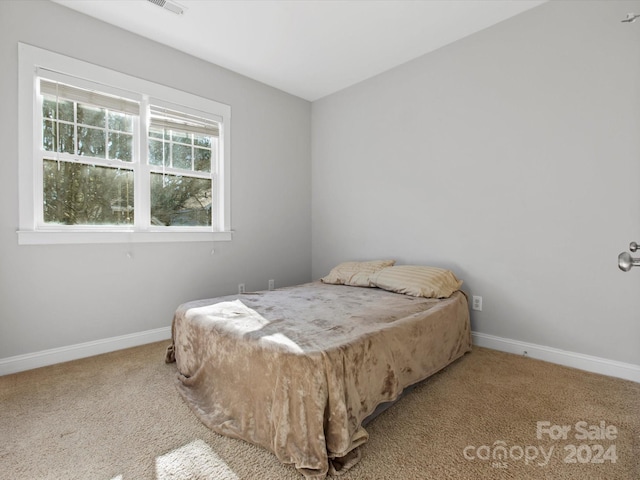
column 589, row 363
column 20, row 363
column 613, row 368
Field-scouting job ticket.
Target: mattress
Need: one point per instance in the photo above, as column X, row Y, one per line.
column 297, row 370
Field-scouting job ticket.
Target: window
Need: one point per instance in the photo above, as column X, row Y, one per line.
column 87, row 157
column 105, row 157
column 182, row 151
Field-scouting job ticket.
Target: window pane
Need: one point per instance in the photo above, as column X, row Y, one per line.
column 182, row 137
column 49, row 109
column 202, row 159
column 120, row 146
column 180, row 201
column 155, row 152
column 155, row 133
column 88, row 115
column 66, row 143
column 78, row 194
column 182, row 156
column 48, row 135
column 120, row 122
column 64, row 109
column 91, row 142
column 202, row 140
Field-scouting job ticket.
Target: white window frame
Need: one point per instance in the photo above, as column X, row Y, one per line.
column 32, row 231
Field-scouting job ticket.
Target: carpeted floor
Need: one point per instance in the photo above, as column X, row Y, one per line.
column 490, row 415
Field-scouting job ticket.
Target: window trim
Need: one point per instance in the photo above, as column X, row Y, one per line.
column 29, row 232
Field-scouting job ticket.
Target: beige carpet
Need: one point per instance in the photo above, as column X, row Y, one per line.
column 118, row 416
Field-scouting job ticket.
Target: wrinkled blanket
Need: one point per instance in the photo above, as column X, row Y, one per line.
column 297, row 370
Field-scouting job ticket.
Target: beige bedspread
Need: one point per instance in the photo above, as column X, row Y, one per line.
column 297, row 370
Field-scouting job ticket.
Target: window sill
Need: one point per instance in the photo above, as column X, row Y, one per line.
column 52, row 237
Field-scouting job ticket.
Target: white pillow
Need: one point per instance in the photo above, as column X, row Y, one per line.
column 418, row 281
column 357, row 274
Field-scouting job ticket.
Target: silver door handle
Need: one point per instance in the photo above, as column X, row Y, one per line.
column 633, row 246
column 626, row 261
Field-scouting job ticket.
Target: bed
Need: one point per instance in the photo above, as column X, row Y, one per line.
column 298, row 370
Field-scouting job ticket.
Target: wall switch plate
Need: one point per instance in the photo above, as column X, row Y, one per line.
column 241, row 288
column 476, row 303
column 272, row 284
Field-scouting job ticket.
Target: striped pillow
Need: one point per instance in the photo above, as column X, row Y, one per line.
column 357, row 274
column 418, row 281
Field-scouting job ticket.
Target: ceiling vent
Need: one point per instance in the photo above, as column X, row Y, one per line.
column 171, row 6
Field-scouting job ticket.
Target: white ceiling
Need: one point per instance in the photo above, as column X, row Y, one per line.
column 309, row 48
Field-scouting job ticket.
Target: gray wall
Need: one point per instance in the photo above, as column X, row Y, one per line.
column 55, row 296
column 511, row 157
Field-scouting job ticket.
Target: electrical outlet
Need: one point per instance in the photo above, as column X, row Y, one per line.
column 241, row 288
column 476, row 303
column 272, row 284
